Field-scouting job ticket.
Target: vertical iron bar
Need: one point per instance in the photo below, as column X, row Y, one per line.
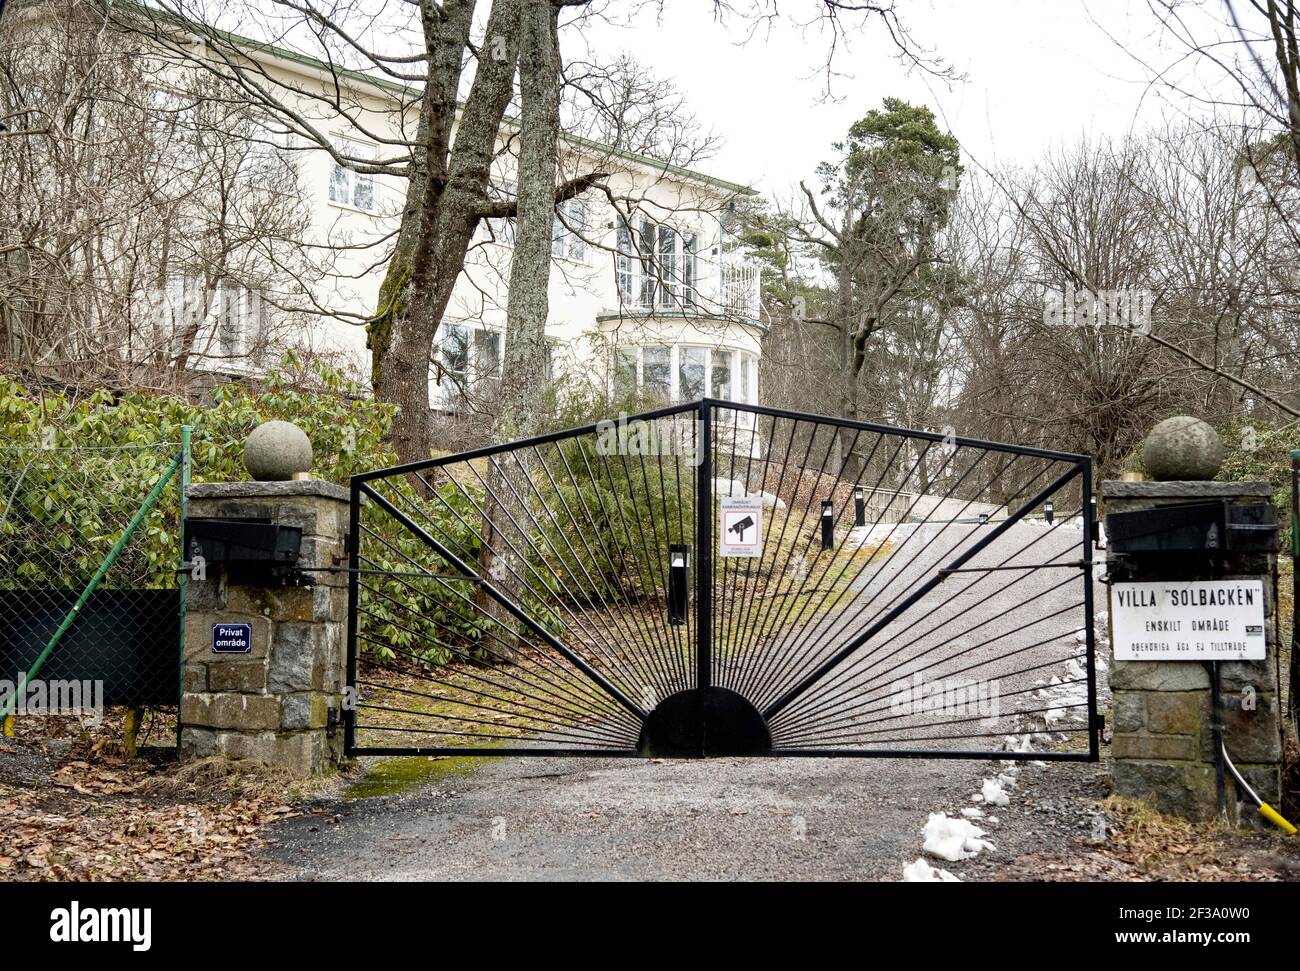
column 354, row 587
column 182, row 585
column 704, row 551
column 1090, row 537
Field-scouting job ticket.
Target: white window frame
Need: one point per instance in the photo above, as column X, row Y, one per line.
column 354, row 148
column 472, row 379
column 566, row 243
column 649, row 275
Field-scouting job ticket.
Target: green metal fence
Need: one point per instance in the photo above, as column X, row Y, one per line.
column 90, row 550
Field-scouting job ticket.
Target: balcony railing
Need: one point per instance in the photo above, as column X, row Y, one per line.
column 740, row 289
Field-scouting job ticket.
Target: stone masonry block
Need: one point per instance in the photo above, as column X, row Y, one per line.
column 1185, row 789
column 1177, row 712
column 1130, row 711
column 301, row 753
column 249, row 713
column 195, row 677
column 1250, row 735
column 277, row 603
column 1260, row 675
column 198, row 743
column 329, row 604
column 294, row 656
column 308, row 709
column 247, row 676
column 1145, row 746
column 1158, row 676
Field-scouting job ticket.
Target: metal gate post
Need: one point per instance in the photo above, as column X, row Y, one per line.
column 704, row 555
column 183, row 577
column 351, row 689
column 1089, row 508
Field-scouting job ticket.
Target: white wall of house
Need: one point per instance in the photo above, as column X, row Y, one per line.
column 697, row 329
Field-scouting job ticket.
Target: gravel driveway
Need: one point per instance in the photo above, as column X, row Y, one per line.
column 720, row 819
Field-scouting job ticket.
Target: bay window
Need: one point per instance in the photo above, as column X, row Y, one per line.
column 682, row 372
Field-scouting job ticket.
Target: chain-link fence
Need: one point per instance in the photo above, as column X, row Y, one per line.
column 90, row 542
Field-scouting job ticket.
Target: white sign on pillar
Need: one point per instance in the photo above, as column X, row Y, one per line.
column 742, row 527
column 1188, row 620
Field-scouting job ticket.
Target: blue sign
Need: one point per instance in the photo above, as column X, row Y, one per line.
column 232, row 638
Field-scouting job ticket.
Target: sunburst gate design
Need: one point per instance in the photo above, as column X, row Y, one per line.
column 903, row 593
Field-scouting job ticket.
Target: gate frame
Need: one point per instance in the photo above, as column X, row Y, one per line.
column 703, row 557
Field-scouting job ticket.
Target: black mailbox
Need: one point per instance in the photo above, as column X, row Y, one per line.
column 246, row 545
column 1200, row 526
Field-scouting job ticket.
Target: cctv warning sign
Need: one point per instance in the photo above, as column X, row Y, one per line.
column 742, row 527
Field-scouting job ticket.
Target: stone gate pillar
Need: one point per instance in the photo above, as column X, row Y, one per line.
column 1164, row 745
column 279, row 703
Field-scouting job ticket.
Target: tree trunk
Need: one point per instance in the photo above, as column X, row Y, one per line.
column 520, row 413
column 438, row 227
column 522, row 400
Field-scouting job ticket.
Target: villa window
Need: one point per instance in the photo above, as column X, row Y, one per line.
column 625, row 371
column 455, row 352
column 348, row 188
column 471, row 356
column 657, row 371
column 266, row 160
column 569, row 224
column 692, row 363
column 720, row 375
column 487, row 356
column 748, row 390
column 655, row 266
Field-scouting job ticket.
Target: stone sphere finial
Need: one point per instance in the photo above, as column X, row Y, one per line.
column 276, row 450
column 1184, row 448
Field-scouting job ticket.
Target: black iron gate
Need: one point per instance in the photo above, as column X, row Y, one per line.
column 725, row 579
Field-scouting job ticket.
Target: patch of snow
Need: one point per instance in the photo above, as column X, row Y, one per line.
column 922, row 872
column 972, row 812
column 994, row 795
column 952, row 839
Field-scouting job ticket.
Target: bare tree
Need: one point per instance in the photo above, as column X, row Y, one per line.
column 151, row 220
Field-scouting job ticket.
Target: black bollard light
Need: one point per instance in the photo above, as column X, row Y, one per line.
column 828, row 525
column 859, row 507
column 679, row 568
column 1049, row 512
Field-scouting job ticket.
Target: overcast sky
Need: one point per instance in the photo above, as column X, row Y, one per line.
column 1037, row 73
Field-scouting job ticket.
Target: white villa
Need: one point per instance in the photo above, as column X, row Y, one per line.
column 663, row 299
